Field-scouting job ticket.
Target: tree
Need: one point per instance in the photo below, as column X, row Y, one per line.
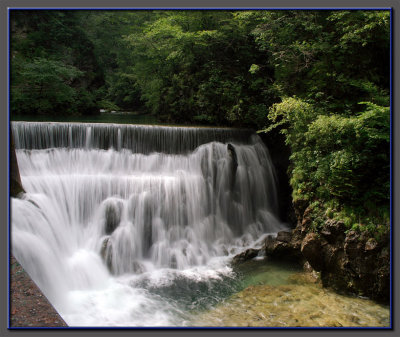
column 335, row 58
column 43, row 86
column 53, row 67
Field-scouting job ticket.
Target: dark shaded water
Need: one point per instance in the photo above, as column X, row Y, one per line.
column 101, row 118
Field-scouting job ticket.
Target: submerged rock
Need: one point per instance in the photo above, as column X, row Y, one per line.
column 106, row 253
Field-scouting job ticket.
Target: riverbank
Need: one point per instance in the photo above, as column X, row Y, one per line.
column 28, row 306
column 347, row 261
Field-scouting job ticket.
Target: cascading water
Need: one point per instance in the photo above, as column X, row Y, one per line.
column 135, row 225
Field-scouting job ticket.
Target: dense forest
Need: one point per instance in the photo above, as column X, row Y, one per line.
column 321, row 78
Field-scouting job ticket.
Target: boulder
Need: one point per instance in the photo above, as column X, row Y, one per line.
column 284, row 246
column 245, row 256
column 334, row 231
column 359, row 264
column 269, row 244
column 348, row 261
column 112, row 215
column 284, row 236
column 311, row 249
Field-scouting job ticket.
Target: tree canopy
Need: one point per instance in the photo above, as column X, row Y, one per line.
column 320, row 77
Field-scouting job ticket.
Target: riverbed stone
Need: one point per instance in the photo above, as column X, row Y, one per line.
column 299, row 303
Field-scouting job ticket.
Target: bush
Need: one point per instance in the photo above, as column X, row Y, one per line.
column 338, row 159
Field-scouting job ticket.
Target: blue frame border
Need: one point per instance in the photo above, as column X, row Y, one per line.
column 8, row 172
column 391, row 167
column 203, row 8
column 391, row 327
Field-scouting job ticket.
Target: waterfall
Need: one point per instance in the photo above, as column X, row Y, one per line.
column 109, row 205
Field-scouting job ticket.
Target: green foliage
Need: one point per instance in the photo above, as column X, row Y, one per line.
column 296, row 115
column 320, row 77
column 43, row 86
column 193, row 67
column 108, row 105
column 338, row 157
column 53, row 67
column 336, row 58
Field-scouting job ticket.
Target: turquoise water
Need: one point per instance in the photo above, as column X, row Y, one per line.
column 271, row 294
column 259, row 272
column 193, row 294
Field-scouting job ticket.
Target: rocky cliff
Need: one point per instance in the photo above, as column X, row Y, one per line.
column 347, row 261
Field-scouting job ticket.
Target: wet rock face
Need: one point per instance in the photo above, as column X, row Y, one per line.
column 284, row 246
column 334, row 231
column 299, row 208
column 106, row 253
column 233, row 163
column 363, row 267
column 284, row 236
column 311, row 247
column 112, row 216
column 348, row 261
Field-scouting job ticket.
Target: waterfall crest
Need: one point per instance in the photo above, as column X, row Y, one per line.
column 136, row 138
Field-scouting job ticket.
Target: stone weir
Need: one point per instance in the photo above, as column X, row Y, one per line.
column 136, row 138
